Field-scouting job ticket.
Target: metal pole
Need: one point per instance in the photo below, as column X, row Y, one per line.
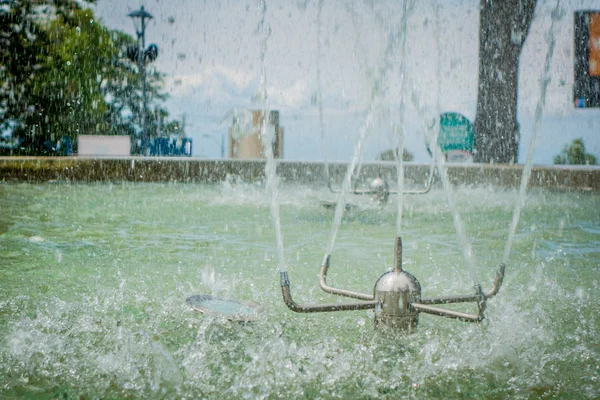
column 398, row 255
column 141, row 53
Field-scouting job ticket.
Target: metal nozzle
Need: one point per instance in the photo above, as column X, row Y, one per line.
column 285, row 281
column 340, row 292
column 292, row 305
column 497, row 282
column 479, row 297
column 398, row 255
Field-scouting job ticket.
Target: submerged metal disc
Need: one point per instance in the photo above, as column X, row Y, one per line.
column 233, row 310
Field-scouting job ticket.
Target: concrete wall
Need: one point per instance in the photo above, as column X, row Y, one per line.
column 145, row 169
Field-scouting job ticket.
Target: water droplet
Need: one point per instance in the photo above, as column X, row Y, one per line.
column 68, row 63
column 532, row 227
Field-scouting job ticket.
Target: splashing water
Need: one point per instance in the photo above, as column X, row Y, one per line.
column 110, row 321
column 399, row 129
column 377, row 93
column 433, row 132
column 400, row 179
column 539, row 109
column 458, row 224
column 341, row 200
column 320, row 92
column 268, row 136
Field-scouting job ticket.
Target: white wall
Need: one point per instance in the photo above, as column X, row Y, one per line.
column 99, row 145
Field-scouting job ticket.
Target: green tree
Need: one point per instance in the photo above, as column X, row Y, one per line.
column 20, row 60
column 390, row 155
column 67, row 74
column 68, row 89
column 575, row 154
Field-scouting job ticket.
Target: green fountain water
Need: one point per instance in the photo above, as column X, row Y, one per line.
column 94, row 279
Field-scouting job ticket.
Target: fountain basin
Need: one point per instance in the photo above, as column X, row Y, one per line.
column 95, row 277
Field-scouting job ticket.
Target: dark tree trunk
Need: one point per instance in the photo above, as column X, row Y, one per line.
column 503, row 27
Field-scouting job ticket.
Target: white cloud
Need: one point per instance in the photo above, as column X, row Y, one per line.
column 295, row 96
column 212, row 79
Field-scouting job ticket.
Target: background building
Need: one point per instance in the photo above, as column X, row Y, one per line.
column 245, row 140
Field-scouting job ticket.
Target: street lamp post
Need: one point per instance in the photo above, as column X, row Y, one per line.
column 141, row 55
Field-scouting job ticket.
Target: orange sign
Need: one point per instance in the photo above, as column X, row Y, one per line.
column 594, row 44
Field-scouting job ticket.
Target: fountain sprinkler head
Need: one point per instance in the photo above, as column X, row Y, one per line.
column 380, row 191
column 396, row 298
column 395, row 293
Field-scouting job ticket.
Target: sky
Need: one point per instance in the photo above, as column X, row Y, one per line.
column 212, row 53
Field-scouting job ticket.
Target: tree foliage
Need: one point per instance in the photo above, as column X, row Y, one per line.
column 390, row 155
column 63, row 73
column 575, row 154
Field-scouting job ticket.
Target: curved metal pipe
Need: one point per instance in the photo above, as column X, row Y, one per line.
column 450, row 299
column 497, row 282
column 447, row 313
column 313, row 308
column 340, row 292
column 427, row 187
column 470, row 297
column 370, row 192
column 480, row 298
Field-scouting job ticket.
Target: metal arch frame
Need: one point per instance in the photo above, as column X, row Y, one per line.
column 369, row 302
column 354, row 190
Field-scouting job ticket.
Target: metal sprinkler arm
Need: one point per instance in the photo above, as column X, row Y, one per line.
column 351, row 293
column 447, row 313
column 468, row 297
column 313, row 308
column 425, row 190
column 339, row 292
column 354, row 190
column 332, row 190
column 480, row 298
column 497, row 282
